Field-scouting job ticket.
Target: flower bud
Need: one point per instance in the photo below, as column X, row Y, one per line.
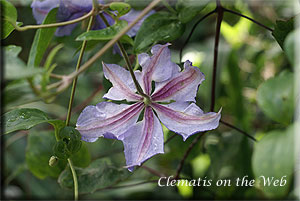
column 53, row 161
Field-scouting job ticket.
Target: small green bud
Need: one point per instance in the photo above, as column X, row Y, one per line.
column 53, row 161
column 121, row 7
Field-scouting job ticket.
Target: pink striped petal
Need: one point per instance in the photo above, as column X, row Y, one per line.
column 156, row 68
column 123, row 86
column 182, row 86
column 143, row 140
column 107, row 119
column 186, row 120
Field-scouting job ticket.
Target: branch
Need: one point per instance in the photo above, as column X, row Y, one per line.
column 84, row 43
column 25, row 28
column 87, row 100
column 170, row 138
column 239, row 130
column 216, row 50
column 152, row 171
column 192, row 31
column 244, row 16
column 180, row 166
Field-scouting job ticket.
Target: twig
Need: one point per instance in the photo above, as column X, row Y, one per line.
column 244, row 16
column 239, row 130
column 87, row 100
column 180, row 166
column 216, row 50
column 84, row 43
column 25, row 28
column 56, row 76
column 192, row 31
column 170, row 138
column 152, row 171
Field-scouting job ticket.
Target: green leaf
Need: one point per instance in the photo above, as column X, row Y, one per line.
column 274, row 157
column 290, row 45
column 60, row 150
column 121, row 7
column 23, row 119
column 188, row 9
column 58, row 125
column 71, row 137
column 82, row 158
column 8, row 15
column 26, row 118
column 17, row 93
column 275, row 97
column 282, row 29
column 14, row 67
column 127, row 39
column 7, row 28
column 161, row 26
column 9, row 12
column 42, row 40
column 38, row 153
column 97, row 175
column 103, row 34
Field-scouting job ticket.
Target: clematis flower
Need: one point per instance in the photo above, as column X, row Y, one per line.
column 172, row 103
column 73, row 9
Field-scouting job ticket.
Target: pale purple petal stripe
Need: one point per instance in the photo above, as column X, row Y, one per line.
column 93, row 124
column 186, row 121
column 183, row 86
column 158, row 67
column 123, row 86
column 143, row 140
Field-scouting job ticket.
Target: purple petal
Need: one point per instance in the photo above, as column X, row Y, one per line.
column 73, row 6
column 130, row 17
column 107, row 119
column 67, row 30
column 182, row 86
column 143, row 140
column 40, row 9
column 99, row 24
column 186, row 120
column 123, row 86
column 158, row 67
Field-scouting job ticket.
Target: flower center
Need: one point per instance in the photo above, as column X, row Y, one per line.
column 147, row 101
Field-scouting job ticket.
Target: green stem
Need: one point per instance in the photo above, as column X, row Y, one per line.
column 137, row 65
column 77, row 68
column 127, row 60
column 25, row 28
column 74, row 178
column 71, row 103
column 167, row 5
